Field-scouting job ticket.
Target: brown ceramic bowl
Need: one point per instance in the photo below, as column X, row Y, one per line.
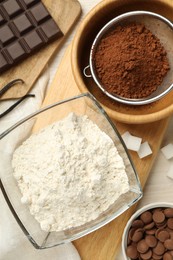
column 89, row 28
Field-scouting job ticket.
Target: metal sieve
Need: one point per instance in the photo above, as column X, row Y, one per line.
column 162, row 28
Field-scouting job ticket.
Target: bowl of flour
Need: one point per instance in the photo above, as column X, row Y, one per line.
column 71, row 174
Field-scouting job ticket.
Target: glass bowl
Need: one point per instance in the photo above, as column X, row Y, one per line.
column 84, row 104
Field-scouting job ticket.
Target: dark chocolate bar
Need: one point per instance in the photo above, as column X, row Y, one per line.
column 25, row 26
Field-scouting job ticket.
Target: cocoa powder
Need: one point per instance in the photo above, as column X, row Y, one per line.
column 130, row 61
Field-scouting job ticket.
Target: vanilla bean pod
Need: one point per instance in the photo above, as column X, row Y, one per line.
column 16, row 104
column 9, row 85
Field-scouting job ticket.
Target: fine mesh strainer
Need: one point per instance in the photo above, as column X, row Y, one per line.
column 162, row 28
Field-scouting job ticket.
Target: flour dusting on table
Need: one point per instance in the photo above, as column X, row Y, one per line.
column 69, row 173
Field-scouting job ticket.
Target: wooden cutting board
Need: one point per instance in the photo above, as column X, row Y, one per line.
column 65, row 13
column 104, row 243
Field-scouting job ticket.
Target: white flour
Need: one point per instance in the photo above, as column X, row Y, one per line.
column 69, row 173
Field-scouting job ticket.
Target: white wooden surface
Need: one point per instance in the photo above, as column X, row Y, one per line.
column 158, row 187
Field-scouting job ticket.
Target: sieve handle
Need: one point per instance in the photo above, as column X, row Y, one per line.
column 85, row 72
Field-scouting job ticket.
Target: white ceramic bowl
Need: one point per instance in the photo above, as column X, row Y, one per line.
column 136, row 215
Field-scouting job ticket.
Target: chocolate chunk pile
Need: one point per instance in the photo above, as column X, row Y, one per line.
column 25, row 26
column 151, row 235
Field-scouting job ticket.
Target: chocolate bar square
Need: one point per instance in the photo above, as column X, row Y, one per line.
column 49, row 28
column 22, row 24
column 16, row 51
column 6, row 34
column 12, row 7
column 33, row 40
column 39, row 13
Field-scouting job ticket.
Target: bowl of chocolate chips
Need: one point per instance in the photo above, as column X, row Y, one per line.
column 149, row 233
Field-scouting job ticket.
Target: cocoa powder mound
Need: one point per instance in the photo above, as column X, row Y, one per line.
column 130, row 61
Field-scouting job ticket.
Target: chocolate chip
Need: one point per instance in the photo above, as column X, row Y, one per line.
column 142, row 246
column 159, row 249
column 158, row 217
column 167, row 256
column 151, row 241
column 138, row 234
column 163, row 235
column 170, row 223
column 151, row 231
column 168, row 212
column 149, row 226
column 146, row 255
column 137, row 223
column 157, row 232
column 168, row 244
column 146, row 217
column 132, row 252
